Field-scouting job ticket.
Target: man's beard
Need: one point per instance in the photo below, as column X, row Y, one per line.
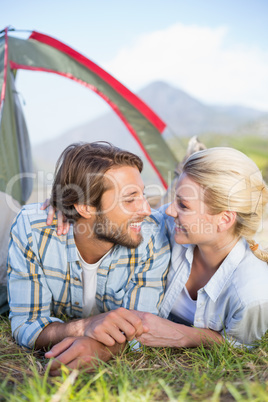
column 110, row 232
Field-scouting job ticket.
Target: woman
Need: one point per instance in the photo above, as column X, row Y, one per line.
column 218, row 283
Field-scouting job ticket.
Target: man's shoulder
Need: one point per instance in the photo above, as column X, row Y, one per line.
column 33, row 214
column 30, row 227
column 156, row 217
column 161, row 218
column 32, row 219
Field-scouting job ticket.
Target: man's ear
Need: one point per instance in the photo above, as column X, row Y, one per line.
column 86, row 211
column 226, row 220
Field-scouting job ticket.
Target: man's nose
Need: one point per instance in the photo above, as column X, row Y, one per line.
column 145, row 208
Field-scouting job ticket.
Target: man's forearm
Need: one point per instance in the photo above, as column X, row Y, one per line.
column 109, row 328
column 57, row 331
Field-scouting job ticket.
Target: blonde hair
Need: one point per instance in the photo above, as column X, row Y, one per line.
column 232, row 182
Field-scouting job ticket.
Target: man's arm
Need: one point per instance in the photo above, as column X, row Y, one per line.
column 108, row 328
column 30, row 298
column 80, row 352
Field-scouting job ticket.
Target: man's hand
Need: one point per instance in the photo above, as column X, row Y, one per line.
column 115, row 326
column 63, row 225
column 79, row 352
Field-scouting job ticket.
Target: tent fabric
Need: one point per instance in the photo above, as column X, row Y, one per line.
column 15, row 152
column 55, row 57
column 4, row 308
column 121, row 89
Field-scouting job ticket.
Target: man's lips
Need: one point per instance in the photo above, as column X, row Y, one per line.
column 135, row 226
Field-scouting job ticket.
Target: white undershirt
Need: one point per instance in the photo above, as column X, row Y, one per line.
column 184, row 306
column 89, row 282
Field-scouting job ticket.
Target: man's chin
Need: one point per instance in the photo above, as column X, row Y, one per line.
column 124, row 241
column 130, row 243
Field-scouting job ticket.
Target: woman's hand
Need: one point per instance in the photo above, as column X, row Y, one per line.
column 63, row 225
column 163, row 332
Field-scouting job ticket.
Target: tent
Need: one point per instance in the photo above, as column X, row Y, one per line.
column 43, row 53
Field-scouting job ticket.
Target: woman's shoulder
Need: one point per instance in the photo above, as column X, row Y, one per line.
column 250, row 277
column 250, row 261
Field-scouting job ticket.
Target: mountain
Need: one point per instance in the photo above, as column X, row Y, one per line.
column 185, row 116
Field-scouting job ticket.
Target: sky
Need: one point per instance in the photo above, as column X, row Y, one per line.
column 215, row 50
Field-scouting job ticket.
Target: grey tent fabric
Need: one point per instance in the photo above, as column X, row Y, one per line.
column 16, row 168
column 8, row 210
column 25, row 154
column 3, row 300
column 15, row 155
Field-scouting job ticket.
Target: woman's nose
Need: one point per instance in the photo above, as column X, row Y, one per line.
column 171, row 210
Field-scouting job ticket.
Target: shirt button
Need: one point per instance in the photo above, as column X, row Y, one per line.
column 76, row 303
column 76, row 279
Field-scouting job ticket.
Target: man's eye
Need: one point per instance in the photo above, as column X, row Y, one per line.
column 129, row 201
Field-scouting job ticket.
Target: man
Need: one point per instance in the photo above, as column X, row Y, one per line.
column 115, row 255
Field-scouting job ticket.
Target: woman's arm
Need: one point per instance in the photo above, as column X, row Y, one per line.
column 163, row 332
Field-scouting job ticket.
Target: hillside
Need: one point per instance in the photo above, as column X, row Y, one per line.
column 185, row 115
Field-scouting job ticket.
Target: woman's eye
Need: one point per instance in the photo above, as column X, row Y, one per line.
column 182, row 206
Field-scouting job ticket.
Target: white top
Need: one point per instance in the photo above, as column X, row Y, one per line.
column 89, row 283
column 184, row 306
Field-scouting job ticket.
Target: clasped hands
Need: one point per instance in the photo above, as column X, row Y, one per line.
column 104, row 335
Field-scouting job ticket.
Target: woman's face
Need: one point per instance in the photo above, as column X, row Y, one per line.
column 193, row 223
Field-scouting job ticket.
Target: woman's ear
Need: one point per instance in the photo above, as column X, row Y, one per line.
column 226, row 220
column 85, row 211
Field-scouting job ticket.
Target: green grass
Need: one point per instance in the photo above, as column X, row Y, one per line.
column 219, row 373
column 255, row 147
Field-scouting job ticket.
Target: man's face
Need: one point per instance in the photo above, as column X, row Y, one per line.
column 123, row 208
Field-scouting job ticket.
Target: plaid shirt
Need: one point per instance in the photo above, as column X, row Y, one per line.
column 44, row 273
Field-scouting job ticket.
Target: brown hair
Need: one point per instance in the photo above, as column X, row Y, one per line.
column 79, row 174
